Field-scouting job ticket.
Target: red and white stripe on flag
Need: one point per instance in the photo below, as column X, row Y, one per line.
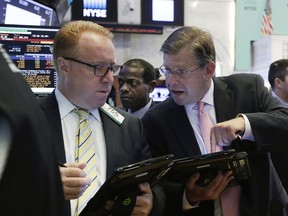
column 267, row 27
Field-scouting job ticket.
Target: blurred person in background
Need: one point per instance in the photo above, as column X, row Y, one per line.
column 278, row 79
column 137, row 79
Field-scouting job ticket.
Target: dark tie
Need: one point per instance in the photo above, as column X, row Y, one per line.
column 230, row 196
column 85, row 153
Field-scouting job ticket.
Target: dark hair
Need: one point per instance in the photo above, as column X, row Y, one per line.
column 149, row 73
column 278, row 69
column 199, row 41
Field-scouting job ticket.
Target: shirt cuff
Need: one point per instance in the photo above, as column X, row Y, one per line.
column 248, row 135
column 186, row 204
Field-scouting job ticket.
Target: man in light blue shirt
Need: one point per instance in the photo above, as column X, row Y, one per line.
column 278, row 79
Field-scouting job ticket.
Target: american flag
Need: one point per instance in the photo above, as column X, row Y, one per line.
column 267, row 27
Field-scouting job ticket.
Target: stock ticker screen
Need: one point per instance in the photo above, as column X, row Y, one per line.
column 30, row 48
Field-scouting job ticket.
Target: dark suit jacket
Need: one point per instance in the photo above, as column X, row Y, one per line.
column 31, row 184
column 125, row 109
column 125, row 143
column 169, row 131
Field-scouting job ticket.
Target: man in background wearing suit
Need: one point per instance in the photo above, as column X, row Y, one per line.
column 137, row 79
column 237, row 105
column 30, row 183
column 84, row 57
column 278, row 79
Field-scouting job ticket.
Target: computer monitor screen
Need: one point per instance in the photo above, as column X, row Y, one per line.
column 162, row 12
column 160, row 93
column 25, row 12
column 30, row 48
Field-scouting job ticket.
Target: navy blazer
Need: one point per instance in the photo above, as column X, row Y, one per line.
column 170, row 132
column 125, row 143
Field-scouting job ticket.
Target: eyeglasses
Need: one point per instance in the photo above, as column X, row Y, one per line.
column 178, row 71
column 100, row 70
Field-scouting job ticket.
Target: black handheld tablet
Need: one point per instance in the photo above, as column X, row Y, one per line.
column 124, row 180
column 208, row 165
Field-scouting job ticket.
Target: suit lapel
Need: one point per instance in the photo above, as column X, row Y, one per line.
column 51, row 110
column 185, row 133
column 223, row 101
column 111, row 138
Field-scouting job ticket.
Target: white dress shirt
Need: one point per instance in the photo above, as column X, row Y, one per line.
column 70, row 121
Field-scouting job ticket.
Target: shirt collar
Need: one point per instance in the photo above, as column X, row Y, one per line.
column 208, row 97
column 66, row 107
column 140, row 113
column 280, row 99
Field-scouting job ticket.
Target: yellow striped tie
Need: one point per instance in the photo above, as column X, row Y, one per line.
column 85, row 153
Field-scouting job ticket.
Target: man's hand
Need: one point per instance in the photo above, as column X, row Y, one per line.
column 144, row 202
column 195, row 193
column 223, row 133
column 74, row 180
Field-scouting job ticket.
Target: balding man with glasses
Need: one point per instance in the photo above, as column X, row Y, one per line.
column 85, row 60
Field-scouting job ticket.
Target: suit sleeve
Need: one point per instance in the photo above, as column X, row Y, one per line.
column 269, row 124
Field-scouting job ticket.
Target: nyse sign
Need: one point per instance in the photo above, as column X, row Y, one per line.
column 102, row 13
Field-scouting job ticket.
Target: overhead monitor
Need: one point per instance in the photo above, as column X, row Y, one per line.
column 162, row 12
column 100, row 11
column 30, row 48
column 26, row 12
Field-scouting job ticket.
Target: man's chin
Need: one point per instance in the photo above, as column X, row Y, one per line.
column 179, row 101
column 98, row 104
column 127, row 102
column 126, row 105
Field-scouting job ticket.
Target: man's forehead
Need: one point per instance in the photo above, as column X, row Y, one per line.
column 133, row 71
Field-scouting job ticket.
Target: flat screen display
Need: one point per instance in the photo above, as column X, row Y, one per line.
column 160, row 93
column 30, row 48
column 162, row 12
column 25, row 12
column 100, row 11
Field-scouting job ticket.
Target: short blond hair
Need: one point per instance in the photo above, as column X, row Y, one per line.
column 68, row 36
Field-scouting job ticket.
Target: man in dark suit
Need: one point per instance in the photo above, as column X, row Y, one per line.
column 137, row 79
column 30, row 183
column 278, row 79
column 84, row 57
column 237, row 105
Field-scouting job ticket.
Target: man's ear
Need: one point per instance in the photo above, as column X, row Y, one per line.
column 210, row 69
column 277, row 82
column 63, row 65
column 151, row 86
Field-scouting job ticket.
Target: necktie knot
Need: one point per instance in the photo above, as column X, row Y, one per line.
column 82, row 113
column 200, row 105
